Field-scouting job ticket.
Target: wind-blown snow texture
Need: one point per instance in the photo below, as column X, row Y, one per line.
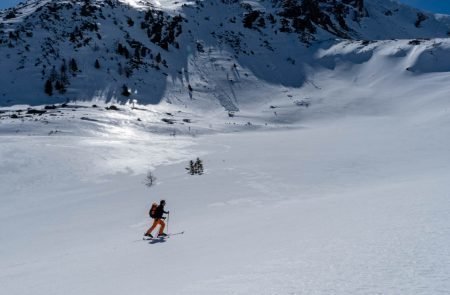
column 326, row 161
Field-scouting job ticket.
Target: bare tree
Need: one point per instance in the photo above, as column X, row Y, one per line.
column 150, row 179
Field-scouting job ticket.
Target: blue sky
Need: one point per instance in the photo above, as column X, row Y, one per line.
column 7, row 3
column 442, row 6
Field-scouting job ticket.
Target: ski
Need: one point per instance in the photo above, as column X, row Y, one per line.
column 164, row 237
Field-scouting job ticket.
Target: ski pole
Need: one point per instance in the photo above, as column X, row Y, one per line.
column 168, row 219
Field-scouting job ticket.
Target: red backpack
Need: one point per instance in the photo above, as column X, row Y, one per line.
column 152, row 211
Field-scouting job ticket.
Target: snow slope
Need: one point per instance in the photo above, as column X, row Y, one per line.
column 326, row 166
column 351, row 205
column 346, row 196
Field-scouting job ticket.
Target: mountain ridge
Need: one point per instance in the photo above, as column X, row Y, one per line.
column 122, row 50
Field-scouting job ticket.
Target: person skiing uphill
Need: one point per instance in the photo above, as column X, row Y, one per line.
column 157, row 212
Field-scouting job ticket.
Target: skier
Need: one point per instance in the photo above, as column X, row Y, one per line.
column 157, row 212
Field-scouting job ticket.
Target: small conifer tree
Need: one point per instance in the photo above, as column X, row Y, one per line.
column 49, row 87
column 199, row 166
column 195, row 167
column 191, row 168
column 73, row 65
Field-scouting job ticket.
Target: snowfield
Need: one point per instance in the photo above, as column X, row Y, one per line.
column 354, row 204
column 327, row 166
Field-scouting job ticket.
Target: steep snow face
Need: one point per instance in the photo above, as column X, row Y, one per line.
column 182, row 51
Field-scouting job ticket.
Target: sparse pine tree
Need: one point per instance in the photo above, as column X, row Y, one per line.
column 63, row 75
column 97, row 64
column 48, row 87
column 199, row 166
column 73, row 65
column 191, row 168
column 195, row 167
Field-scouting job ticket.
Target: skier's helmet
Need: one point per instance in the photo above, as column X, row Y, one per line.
column 163, row 202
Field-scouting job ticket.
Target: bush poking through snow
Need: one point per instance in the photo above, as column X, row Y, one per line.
column 150, row 179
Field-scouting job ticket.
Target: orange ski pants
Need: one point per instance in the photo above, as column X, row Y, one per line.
column 155, row 223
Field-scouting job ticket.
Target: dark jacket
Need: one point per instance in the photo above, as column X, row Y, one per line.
column 159, row 212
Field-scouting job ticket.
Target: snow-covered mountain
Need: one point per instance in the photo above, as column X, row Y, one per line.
column 201, row 53
column 340, row 188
